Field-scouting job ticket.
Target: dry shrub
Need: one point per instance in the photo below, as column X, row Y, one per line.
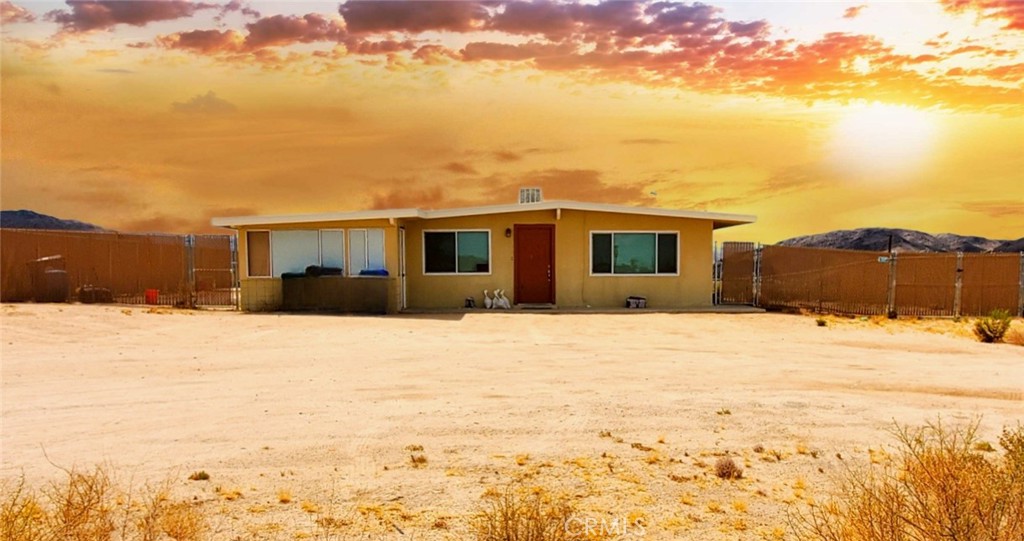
column 21, row 514
column 183, row 522
column 938, row 487
column 726, row 468
column 1014, row 336
column 516, row 514
column 82, row 507
column 87, row 506
column 993, row 327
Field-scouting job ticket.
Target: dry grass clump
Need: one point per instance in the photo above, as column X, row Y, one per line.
column 518, row 514
column 938, row 486
column 1014, row 336
column 993, row 327
column 726, row 468
column 87, row 506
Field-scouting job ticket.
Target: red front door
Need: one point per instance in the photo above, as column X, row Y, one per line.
column 535, row 264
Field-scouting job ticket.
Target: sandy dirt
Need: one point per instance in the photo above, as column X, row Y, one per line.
column 330, row 409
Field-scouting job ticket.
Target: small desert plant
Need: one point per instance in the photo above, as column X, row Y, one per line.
column 22, row 515
column 82, row 507
column 183, row 522
column 87, row 506
column 822, row 322
column 200, row 475
column 418, row 461
column 937, row 487
column 993, row 327
column 1014, row 336
column 726, row 468
column 516, row 514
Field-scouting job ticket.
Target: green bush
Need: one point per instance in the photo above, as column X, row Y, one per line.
column 993, row 327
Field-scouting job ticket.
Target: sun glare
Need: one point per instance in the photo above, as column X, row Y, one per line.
column 883, row 141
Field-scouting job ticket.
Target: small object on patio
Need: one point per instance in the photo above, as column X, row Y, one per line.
column 636, row 302
column 488, row 302
column 505, row 303
column 90, row 294
column 470, row 302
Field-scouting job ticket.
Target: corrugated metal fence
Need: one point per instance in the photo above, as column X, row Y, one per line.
column 871, row 283
column 176, row 270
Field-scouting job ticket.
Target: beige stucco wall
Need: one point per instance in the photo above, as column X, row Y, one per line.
column 260, row 294
column 573, row 283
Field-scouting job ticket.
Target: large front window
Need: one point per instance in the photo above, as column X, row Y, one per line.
column 634, row 253
column 456, row 252
column 291, row 251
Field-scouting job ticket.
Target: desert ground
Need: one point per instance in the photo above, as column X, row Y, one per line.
column 298, row 418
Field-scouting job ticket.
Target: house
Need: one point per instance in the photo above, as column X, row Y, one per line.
column 541, row 253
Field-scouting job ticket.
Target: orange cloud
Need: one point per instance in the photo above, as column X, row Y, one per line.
column 1011, row 11
column 414, row 17
column 460, row 168
column 853, row 12
column 11, row 13
column 90, row 15
column 640, row 42
column 571, row 184
column 996, row 208
column 203, row 41
column 207, row 103
column 287, row 29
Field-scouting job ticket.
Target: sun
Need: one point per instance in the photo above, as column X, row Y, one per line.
column 883, row 141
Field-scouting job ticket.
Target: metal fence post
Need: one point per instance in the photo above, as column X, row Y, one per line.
column 757, row 274
column 1020, row 294
column 890, row 309
column 959, row 284
column 190, row 271
column 716, row 286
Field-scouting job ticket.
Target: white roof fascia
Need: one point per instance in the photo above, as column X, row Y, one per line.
column 717, row 217
column 236, row 221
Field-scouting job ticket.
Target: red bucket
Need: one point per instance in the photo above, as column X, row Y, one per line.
column 152, row 296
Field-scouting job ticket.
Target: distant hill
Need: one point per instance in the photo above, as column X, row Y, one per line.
column 27, row 219
column 1011, row 246
column 903, row 240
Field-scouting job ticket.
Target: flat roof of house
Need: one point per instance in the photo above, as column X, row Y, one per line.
column 720, row 219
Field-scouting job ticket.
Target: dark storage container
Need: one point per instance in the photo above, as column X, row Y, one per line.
column 49, row 279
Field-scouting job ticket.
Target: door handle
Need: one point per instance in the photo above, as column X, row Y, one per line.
column 549, row 273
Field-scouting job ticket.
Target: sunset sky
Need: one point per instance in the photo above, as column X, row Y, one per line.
column 157, row 115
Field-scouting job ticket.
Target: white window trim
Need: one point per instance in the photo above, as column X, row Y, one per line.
column 490, row 249
column 366, row 251
column 613, row 274
column 344, row 247
column 270, row 254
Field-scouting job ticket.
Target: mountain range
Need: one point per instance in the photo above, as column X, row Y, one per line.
column 903, row 240
column 27, row 219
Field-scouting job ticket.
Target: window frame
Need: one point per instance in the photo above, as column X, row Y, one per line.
column 590, row 258
column 366, row 251
column 344, row 247
column 423, row 252
column 270, row 254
